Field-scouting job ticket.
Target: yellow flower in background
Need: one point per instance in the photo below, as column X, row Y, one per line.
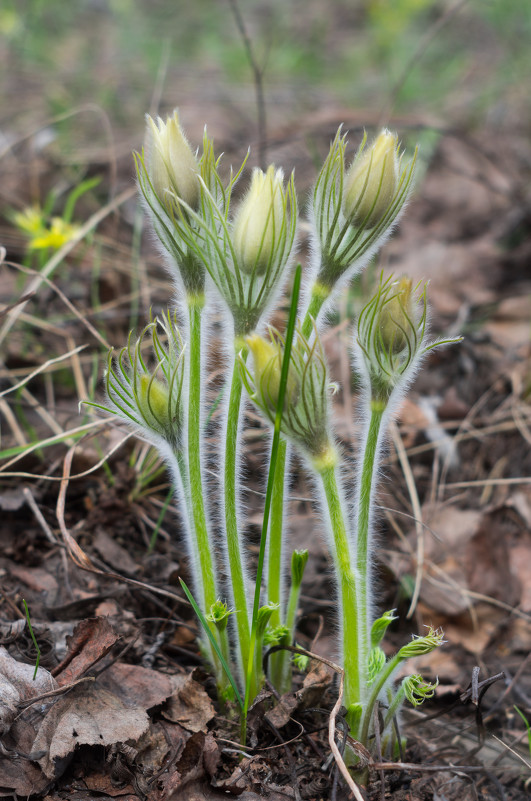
column 57, row 235
column 42, row 235
column 30, row 221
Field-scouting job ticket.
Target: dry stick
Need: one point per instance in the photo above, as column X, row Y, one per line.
column 258, row 75
column 78, row 555
column 360, row 749
column 417, row 512
column 41, row 368
column 60, row 438
column 68, row 303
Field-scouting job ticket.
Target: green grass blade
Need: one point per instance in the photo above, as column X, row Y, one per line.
column 270, row 480
column 212, row 639
column 35, row 643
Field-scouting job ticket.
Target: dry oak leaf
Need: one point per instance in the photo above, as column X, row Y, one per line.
column 85, row 716
column 189, row 704
column 91, row 640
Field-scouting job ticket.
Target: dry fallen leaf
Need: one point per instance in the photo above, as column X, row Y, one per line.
column 85, row 716
column 92, row 639
column 189, row 704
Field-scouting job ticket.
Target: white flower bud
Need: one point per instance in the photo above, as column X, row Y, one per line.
column 260, row 221
column 173, row 167
column 372, row 180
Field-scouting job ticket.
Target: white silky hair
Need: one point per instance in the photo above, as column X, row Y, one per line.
column 391, row 411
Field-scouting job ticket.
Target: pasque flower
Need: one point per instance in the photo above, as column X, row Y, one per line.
column 172, row 165
column 371, row 182
column 258, row 222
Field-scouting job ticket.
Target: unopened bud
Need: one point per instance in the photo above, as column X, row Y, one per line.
column 154, row 400
column 397, row 317
column 371, row 182
column 259, row 222
column 379, row 627
column 173, row 167
column 267, row 358
column 298, row 564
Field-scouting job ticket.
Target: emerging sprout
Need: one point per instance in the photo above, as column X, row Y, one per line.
column 422, row 645
column 380, row 625
column 219, row 615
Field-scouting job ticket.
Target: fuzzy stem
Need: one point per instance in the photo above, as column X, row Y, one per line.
column 377, row 687
column 234, row 545
column 353, row 656
column 204, row 551
column 283, row 671
column 195, row 484
column 275, row 563
column 318, row 294
column 366, row 489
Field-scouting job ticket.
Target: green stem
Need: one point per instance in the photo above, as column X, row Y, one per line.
column 275, row 564
column 282, row 675
column 353, row 656
column 195, row 483
column 275, row 560
column 364, row 517
column 234, row 545
column 319, row 293
column 379, row 682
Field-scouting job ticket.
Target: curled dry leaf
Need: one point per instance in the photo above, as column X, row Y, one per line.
column 189, row 704
column 88, row 715
column 92, row 639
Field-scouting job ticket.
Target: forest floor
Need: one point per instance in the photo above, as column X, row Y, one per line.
column 122, row 707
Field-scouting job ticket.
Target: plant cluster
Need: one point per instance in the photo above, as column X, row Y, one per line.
column 242, row 257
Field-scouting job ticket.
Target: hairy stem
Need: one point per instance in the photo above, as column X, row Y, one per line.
column 234, row 545
column 364, row 514
column 194, row 490
column 275, row 564
column 353, row 656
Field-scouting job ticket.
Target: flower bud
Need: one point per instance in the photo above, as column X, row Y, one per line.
column 371, row 182
column 379, row 627
column 267, row 357
column 259, row 222
column 298, row 564
column 397, row 317
column 153, row 400
column 173, row 168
